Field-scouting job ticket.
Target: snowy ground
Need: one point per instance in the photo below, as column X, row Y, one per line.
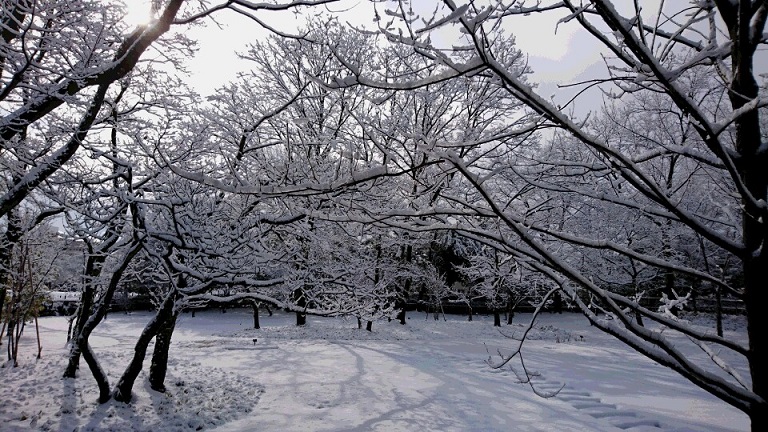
column 425, row 376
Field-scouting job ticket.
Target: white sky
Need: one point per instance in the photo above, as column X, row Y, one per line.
column 558, row 54
column 554, row 57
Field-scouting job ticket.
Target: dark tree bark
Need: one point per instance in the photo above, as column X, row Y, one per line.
column 96, row 255
column 557, row 303
column 124, row 389
column 159, row 366
column 496, row 318
column 752, row 168
column 98, row 373
column 255, row 307
column 98, row 315
column 301, row 301
column 369, row 326
column 13, row 233
column 301, row 319
column 92, row 271
column 408, row 253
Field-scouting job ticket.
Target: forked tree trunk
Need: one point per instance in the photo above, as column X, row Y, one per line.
column 159, row 366
column 124, row 388
column 99, row 313
column 84, row 311
column 93, row 269
column 98, row 373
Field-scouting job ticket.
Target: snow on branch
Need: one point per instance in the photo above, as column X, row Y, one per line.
column 450, row 18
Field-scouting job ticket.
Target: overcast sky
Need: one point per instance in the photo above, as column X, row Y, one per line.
column 557, row 54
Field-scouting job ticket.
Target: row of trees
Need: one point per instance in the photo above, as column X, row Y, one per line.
column 350, row 168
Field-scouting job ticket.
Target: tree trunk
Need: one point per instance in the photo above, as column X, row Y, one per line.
column 369, row 326
column 470, row 312
column 255, row 307
column 124, row 388
column 98, row 373
column 12, row 235
column 159, row 366
column 93, row 267
column 39, row 345
column 301, row 301
column 405, row 293
column 557, row 303
column 752, row 162
column 755, row 299
column 639, row 318
column 496, row 318
column 668, row 275
column 2, row 332
column 3, row 293
column 70, row 323
column 510, row 307
column 12, row 341
column 719, row 311
column 81, row 338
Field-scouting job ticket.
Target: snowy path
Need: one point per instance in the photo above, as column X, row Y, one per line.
column 370, row 386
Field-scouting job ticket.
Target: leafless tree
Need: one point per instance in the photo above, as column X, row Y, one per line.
column 698, row 59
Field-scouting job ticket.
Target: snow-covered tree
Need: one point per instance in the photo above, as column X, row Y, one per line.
column 699, row 60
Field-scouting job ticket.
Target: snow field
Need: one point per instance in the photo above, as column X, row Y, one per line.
column 330, row 376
